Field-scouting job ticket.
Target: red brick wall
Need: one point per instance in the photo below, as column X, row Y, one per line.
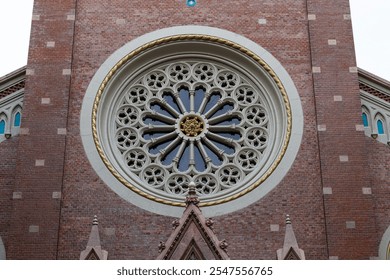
column 7, row 181
column 128, row 232
column 42, row 142
column 341, row 138
column 137, row 233
column 379, row 165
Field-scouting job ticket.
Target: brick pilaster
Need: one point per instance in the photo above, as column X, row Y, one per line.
column 350, row 219
column 40, row 159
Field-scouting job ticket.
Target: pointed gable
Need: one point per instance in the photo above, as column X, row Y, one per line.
column 94, row 249
column 193, row 237
column 290, row 250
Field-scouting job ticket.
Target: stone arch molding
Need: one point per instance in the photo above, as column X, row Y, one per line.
column 2, row 250
column 9, row 107
column 384, row 247
column 157, row 77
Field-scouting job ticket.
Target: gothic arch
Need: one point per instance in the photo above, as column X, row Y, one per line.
column 380, row 118
column 367, row 112
column 16, row 110
column 3, row 123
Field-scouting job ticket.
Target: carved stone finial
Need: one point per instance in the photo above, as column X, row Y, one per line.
column 95, row 221
column 175, row 223
column 94, row 250
column 192, row 198
column 161, row 247
column 210, row 223
column 191, row 188
column 223, row 245
column 290, row 249
column 288, row 220
column 192, row 236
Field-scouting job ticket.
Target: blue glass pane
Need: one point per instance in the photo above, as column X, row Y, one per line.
column 158, row 147
column 234, row 120
column 379, row 124
column 200, row 164
column 185, row 98
column 2, row 127
column 214, row 157
column 161, row 110
column 199, row 96
column 184, row 162
column 167, row 160
column 17, row 119
column 223, row 110
column 152, row 121
column 212, row 101
column 172, row 102
column 365, row 119
column 225, row 148
column 150, row 135
column 234, row 136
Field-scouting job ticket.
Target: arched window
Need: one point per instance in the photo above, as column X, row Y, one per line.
column 379, row 124
column 17, row 119
column 365, row 119
column 2, row 127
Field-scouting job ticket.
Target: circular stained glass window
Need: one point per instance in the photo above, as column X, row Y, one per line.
column 188, row 108
column 185, row 121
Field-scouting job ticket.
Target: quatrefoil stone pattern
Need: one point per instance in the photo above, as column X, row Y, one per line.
column 184, row 121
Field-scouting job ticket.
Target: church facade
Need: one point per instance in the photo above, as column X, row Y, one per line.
column 250, row 110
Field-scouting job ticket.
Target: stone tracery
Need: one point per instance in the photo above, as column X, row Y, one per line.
column 191, row 121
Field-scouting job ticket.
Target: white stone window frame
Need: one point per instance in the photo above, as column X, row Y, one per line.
column 272, row 181
column 9, row 106
column 380, row 117
column 376, row 109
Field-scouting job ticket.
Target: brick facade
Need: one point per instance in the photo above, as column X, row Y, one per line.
column 341, row 147
column 312, row 39
column 40, row 161
column 7, row 181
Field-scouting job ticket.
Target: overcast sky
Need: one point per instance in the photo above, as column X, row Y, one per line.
column 371, row 23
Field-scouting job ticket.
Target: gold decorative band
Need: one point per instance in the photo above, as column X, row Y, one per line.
column 191, row 37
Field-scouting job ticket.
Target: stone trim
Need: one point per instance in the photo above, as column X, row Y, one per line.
column 384, row 246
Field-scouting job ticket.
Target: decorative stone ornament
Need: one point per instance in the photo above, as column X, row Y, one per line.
column 190, row 107
column 94, row 249
column 193, row 237
column 290, row 250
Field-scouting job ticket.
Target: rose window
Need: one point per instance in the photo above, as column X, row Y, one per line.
column 191, row 104
column 189, row 121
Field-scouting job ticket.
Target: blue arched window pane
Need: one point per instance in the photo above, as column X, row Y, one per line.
column 2, row 127
column 365, row 119
column 17, row 119
column 379, row 125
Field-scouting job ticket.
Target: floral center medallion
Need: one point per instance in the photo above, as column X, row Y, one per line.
column 192, row 126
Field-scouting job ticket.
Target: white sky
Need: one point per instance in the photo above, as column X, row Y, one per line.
column 371, row 23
